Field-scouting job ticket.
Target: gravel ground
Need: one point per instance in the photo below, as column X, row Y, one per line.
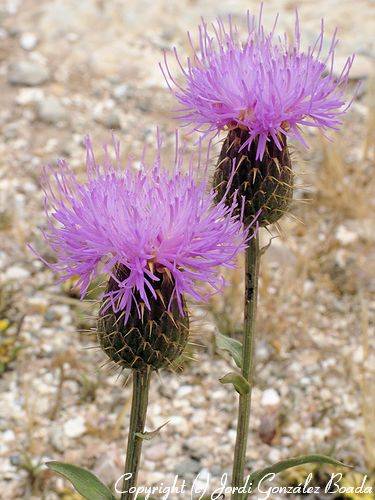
column 69, row 68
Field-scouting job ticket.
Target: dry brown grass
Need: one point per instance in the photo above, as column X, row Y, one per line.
column 343, row 185
column 367, row 385
column 369, row 143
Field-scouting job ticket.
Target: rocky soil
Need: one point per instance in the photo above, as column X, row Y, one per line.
column 69, row 68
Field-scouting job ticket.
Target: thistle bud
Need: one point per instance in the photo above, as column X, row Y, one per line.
column 265, row 186
column 152, row 337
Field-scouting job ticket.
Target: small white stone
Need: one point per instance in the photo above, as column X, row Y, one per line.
column 72, row 37
column 326, row 394
column 155, row 477
column 183, row 391
column 57, row 438
column 37, row 304
column 29, row 96
column 74, row 427
column 110, row 120
column 121, row 91
column 157, row 452
column 344, row 236
column 270, row 397
column 29, row 73
column 50, row 110
column 28, row 41
column 294, row 429
column 232, row 434
column 274, row 455
column 358, row 355
column 308, row 286
column 7, row 436
column 305, row 380
column 178, row 421
column 16, row 273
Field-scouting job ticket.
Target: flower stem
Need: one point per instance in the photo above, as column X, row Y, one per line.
column 141, row 385
column 251, row 296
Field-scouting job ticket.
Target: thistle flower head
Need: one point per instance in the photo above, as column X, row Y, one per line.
column 139, row 226
column 264, row 84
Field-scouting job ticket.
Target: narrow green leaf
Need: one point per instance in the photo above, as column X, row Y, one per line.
column 241, row 385
column 256, row 477
column 151, row 434
column 233, row 346
column 83, row 481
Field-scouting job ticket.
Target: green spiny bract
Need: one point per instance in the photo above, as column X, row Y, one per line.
column 265, row 185
column 150, row 338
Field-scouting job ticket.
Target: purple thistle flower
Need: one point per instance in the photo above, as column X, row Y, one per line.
column 147, row 221
column 264, row 85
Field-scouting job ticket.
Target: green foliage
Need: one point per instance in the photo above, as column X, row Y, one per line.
column 8, row 352
column 88, row 485
column 233, row 346
column 9, row 347
column 256, row 476
column 10, row 324
column 241, row 385
column 147, row 436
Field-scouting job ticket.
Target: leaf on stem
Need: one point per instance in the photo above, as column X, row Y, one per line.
column 88, row 485
column 241, row 385
column 256, row 476
column 151, row 434
column 233, row 346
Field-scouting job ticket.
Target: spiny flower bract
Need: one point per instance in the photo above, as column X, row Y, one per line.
column 147, row 221
column 265, row 84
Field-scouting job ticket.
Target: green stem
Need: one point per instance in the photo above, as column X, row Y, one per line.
column 141, row 385
column 251, row 296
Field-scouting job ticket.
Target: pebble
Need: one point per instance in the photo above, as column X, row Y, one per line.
column 29, row 73
column 107, row 469
column 154, row 477
column 183, row 391
column 37, row 304
column 28, row 41
column 29, row 95
column 110, row 120
column 8, row 436
column 274, row 455
column 14, row 273
column 345, row 236
column 198, row 447
column 358, row 355
column 50, row 110
column 232, row 434
column 62, row 17
column 187, row 467
column 263, row 350
column 157, row 452
column 123, row 91
column 6, row 472
column 270, row 397
column 58, row 438
column 75, row 427
column 278, row 254
column 267, row 428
